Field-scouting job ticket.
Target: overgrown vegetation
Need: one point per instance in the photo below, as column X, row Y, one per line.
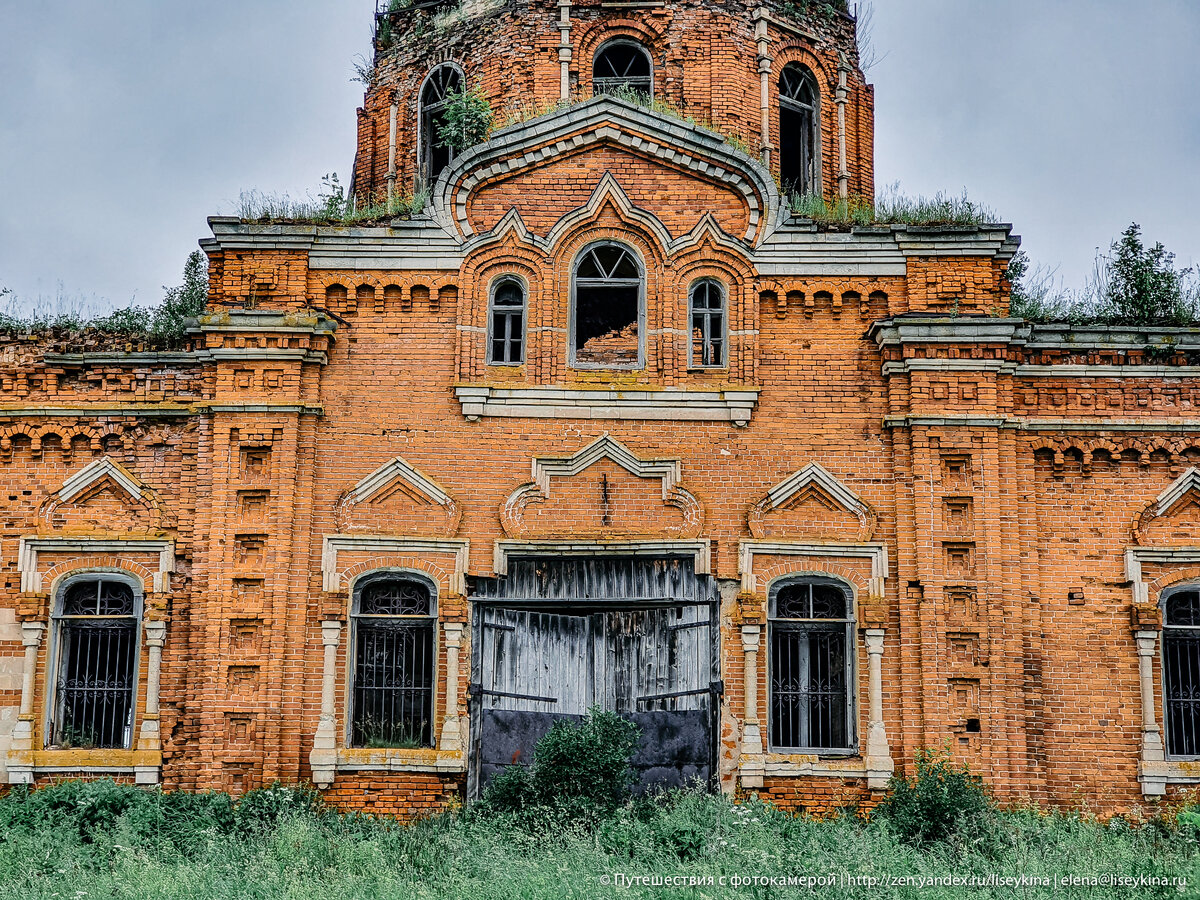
column 1131, row 284
column 579, row 773
column 331, row 206
column 942, row 800
column 893, row 208
column 162, row 325
column 99, row 839
column 465, row 120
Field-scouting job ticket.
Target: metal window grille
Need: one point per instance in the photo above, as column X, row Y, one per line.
column 97, row 655
column 708, row 324
column 508, row 324
column 811, row 668
column 1181, row 672
column 622, row 66
column 798, row 130
column 435, row 153
column 392, row 702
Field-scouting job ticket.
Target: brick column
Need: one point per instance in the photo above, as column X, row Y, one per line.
column 751, row 767
column 1152, row 770
column 452, row 740
column 323, row 758
column 149, row 737
column 879, row 755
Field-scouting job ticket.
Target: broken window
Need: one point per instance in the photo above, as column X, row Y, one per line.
column 799, row 131
column 443, row 81
column 392, row 702
column 507, row 323
column 708, row 324
column 606, row 331
column 622, row 65
column 1181, row 671
column 811, row 662
column 96, row 629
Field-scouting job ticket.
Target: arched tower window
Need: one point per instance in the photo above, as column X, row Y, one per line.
column 393, row 678
column 95, row 645
column 1181, row 670
column 799, row 131
column 811, row 628
column 443, row 81
column 622, row 64
column 707, row 312
column 506, row 323
column 606, row 323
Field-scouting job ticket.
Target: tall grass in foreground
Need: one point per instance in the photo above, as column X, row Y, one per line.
column 102, row 840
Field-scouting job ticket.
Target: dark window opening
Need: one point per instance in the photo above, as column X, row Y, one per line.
column 392, row 703
column 507, row 324
column 435, row 153
column 96, row 668
column 622, row 65
column 811, row 667
column 708, row 324
column 608, row 300
column 1181, row 672
column 799, row 130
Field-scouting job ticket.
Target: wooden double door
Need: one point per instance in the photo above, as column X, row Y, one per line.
column 633, row 636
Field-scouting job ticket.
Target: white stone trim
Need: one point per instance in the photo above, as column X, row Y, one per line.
column 699, row 550
column 544, row 402
column 1185, row 483
column 879, row 755
column 399, row 469
column 1136, row 556
column 605, row 447
column 332, row 544
column 396, row 760
column 875, row 552
column 98, row 470
column 29, row 547
column 787, row 766
column 815, row 473
column 1071, row 370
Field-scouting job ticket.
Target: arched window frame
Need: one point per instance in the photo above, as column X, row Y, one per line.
column 786, row 635
column 423, row 630
column 507, row 324
column 66, row 629
column 711, row 322
column 607, row 84
column 809, row 181
column 576, row 282
column 1181, row 673
column 438, row 80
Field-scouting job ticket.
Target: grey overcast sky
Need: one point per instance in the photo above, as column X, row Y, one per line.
column 123, row 125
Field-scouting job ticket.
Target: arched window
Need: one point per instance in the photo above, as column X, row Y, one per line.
column 1181, row 670
column 707, row 310
column 393, row 681
column 799, row 131
column 95, row 666
column 506, row 323
column 608, row 288
column 812, row 666
column 443, row 81
column 622, row 64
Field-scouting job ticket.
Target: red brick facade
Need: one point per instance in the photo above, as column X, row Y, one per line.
column 1005, row 503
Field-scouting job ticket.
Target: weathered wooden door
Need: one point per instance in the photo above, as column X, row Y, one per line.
column 637, row 637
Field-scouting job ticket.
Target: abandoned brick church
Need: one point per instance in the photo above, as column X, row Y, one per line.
column 605, row 424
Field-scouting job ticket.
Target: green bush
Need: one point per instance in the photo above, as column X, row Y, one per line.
column 580, row 771
column 941, row 801
column 465, row 120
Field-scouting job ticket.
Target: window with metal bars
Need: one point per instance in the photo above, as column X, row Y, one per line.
column 811, row 632
column 622, row 65
column 799, row 131
column 96, row 647
column 1181, row 671
column 707, row 302
column 393, row 679
column 444, row 81
column 506, row 323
